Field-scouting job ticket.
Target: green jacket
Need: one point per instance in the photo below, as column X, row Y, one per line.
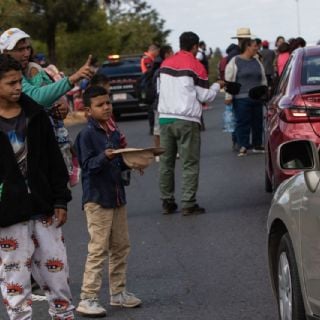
column 48, row 94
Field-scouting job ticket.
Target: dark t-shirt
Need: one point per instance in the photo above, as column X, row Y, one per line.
column 16, row 129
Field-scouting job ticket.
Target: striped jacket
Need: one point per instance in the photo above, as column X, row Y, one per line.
column 184, row 86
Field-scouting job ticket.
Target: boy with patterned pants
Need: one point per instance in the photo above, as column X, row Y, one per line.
column 33, row 202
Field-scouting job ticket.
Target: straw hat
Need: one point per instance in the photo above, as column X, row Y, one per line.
column 138, row 158
column 243, row 33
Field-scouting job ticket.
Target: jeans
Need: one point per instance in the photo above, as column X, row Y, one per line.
column 249, row 118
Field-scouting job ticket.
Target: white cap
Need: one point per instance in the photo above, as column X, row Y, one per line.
column 10, row 37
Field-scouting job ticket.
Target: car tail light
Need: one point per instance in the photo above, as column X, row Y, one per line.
column 305, row 108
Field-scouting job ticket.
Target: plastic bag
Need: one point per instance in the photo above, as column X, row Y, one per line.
column 228, row 119
column 74, row 176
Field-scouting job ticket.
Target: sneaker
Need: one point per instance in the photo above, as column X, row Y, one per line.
column 193, row 210
column 91, row 308
column 125, row 299
column 258, row 149
column 169, row 207
column 242, row 152
column 38, row 297
column 37, row 293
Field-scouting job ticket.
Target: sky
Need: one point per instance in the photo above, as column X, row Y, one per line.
column 216, row 21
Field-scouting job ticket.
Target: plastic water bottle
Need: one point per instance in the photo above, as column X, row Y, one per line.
column 228, row 119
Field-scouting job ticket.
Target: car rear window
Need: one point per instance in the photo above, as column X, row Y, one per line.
column 311, row 71
column 123, row 67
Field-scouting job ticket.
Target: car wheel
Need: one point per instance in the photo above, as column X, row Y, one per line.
column 290, row 302
column 267, row 183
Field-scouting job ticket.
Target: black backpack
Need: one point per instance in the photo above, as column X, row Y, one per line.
column 147, row 84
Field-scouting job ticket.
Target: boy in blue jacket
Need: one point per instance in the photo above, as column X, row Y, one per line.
column 33, row 202
column 104, row 203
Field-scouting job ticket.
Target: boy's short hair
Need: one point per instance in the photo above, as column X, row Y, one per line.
column 7, row 63
column 98, row 79
column 93, row 92
column 188, row 40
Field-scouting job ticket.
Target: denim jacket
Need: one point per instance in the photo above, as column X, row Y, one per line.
column 101, row 177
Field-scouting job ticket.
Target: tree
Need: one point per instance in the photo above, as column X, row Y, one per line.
column 10, row 11
column 43, row 17
column 70, row 29
column 137, row 24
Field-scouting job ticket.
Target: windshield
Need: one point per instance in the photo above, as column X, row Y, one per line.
column 121, row 68
column 311, row 71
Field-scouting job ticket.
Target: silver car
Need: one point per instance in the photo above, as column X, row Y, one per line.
column 294, row 234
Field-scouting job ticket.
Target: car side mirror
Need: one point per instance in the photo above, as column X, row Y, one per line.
column 301, row 155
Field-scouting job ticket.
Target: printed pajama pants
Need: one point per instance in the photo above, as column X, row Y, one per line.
column 38, row 248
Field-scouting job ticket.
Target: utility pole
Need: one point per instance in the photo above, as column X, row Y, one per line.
column 298, row 18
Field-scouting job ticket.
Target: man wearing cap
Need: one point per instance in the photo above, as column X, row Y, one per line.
column 16, row 43
column 268, row 57
column 184, row 86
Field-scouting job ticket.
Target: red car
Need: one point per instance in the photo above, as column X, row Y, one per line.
column 294, row 110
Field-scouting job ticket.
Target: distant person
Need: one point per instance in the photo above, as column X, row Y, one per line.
column 40, row 59
column 34, row 197
column 232, row 51
column 242, row 33
column 147, row 63
column 282, row 57
column 148, row 57
column 268, row 57
column 248, row 71
column 165, row 52
column 279, row 41
column 296, row 43
column 104, row 203
column 184, row 87
column 259, row 44
column 202, row 55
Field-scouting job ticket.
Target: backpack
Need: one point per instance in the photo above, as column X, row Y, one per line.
column 145, row 86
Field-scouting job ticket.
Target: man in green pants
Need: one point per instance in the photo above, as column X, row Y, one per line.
column 184, row 87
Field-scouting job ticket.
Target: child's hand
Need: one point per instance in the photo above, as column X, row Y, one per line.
column 60, row 216
column 109, row 154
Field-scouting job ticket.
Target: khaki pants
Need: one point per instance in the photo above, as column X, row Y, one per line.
column 184, row 137
column 108, row 230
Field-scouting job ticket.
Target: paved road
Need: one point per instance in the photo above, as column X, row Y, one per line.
column 208, row 267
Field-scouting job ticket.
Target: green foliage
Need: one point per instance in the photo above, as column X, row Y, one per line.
column 213, row 65
column 68, row 30
column 10, row 13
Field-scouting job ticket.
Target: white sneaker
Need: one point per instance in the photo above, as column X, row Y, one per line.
column 91, row 308
column 125, row 299
column 37, row 297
